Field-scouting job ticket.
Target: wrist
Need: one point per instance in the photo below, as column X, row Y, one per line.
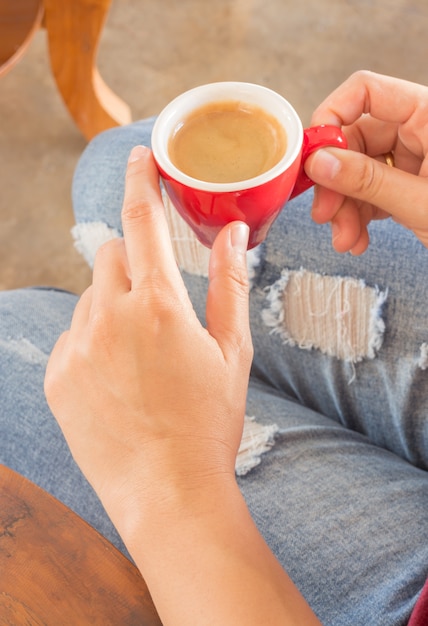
column 147, row 500
column 204, row 560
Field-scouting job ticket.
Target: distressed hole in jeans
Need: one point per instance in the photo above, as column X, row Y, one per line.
column 256, row 440
column 190, row 254
column 339, row 316
column 89, row 236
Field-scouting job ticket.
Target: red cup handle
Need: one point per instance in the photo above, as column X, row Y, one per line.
column 314, row 138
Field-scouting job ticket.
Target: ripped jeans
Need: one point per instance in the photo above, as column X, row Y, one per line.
column 340, row 374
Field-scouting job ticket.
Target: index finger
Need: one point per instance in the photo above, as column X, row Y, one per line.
column 145, row 229
column 383, row 97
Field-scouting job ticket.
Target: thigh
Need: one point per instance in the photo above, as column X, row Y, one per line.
column 345, row 518
column 344, row 335
column 32, row 444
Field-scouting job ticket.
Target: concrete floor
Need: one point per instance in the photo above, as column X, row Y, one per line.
column 153, row 49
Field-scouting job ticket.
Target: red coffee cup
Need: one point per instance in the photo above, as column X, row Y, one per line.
column 208, row 206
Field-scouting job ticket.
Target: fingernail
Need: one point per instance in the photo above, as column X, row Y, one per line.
column 239, row 234
column 335, row 232
column 137, row 153
column 315, row 202
column 324, row 165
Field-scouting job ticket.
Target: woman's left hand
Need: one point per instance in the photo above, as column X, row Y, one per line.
column 379, row 115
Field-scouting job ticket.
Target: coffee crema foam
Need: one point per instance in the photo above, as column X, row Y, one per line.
column 227, row 141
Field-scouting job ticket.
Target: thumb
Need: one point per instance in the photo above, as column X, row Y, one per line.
column 227, row 311
column 398, row 193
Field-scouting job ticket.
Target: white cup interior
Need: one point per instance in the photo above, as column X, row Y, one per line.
column 179, row 108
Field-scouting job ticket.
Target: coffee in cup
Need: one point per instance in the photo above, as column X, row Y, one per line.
column 227, row 141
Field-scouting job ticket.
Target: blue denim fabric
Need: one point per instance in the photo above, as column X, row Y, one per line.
column 342, row 497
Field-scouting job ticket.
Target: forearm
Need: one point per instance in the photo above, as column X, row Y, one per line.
column 206, row 563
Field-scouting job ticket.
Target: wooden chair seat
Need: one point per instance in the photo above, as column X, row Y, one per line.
column 55, row 569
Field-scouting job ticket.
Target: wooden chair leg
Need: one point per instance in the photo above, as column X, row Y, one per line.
column 74, row 28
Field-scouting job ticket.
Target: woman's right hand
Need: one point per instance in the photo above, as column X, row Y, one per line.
column 379, row 114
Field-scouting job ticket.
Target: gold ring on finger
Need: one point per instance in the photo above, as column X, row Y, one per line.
column 389, row 159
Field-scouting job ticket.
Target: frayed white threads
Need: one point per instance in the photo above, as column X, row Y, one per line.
column 253, row 262
column 256, row 440
column 423, row 358
column 89, row 236
column 339, row 316
column 190, row 254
